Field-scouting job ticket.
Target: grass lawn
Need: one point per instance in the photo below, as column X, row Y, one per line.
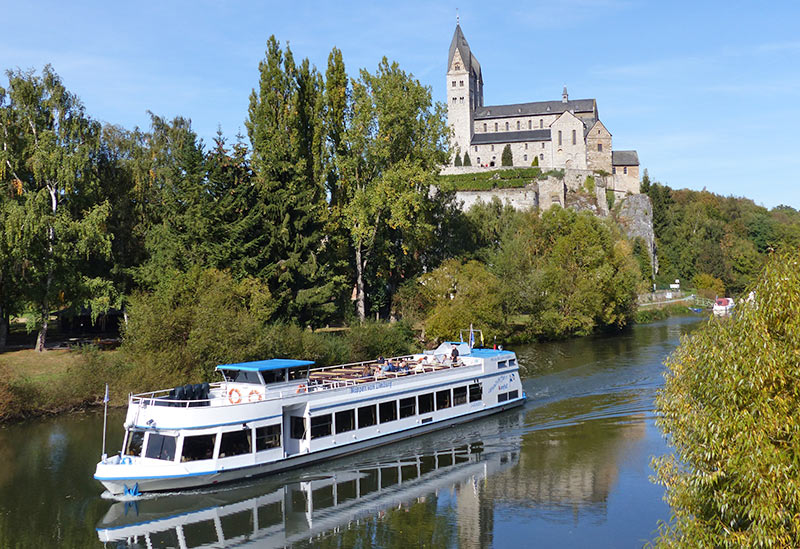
column 38, row 366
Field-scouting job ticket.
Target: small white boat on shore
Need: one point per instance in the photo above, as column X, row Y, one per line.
column 277, row 414
column 723, row 306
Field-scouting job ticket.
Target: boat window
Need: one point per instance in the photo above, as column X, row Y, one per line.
column 502, row 364
column 408, row 407
column 135, row 441
column 268, row 437
column 160, row 447
column 345, row 421
column 459, row 395
column 241, row 376
column 388, row 411
column 297, row 427
column 196, row 534
column 425, row 403
column 502, row 397
column 298, row 373
column 475, row 392
column 366, row 416
column 274, row 376
column 321, row 426
column 442, row 399
column 198, row 447
column 235, row 443
column 512, row 362
column 513, row 394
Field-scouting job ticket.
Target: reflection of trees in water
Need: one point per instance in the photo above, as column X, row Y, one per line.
column 418, row 524
column 576, row 465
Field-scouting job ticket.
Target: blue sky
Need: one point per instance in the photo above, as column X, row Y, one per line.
column 707, row 92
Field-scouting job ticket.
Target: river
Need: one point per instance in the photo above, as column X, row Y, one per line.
column 569, row 469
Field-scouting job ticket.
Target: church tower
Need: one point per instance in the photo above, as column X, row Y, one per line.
column 464, row 92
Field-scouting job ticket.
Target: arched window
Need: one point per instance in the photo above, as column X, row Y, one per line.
column 495, row 126
column 517, row 124
column 541, row 123
column 506, row 126
column 530, row 124
column 484, row 127
column 559, row 138
column 574, row 137
column 541, row 156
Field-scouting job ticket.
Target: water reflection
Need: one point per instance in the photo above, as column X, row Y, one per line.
column 275, row 515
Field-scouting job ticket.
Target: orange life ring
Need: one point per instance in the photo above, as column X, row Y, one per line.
column 250, row 396
column 238, row 396
column 301, row 389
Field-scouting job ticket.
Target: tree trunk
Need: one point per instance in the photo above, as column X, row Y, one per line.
column 360, row 301
column 42, row 335
column 3, row 329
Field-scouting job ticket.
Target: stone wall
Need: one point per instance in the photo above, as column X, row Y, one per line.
column 635, row 216
column 520, row 198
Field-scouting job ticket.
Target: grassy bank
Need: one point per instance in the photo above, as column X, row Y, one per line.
column 653, row 314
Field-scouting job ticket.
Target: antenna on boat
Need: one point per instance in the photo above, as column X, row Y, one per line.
column 105, row 420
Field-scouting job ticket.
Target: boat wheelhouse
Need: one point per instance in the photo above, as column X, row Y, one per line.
column 271, row 415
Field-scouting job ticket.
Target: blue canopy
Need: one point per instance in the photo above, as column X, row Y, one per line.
column 263, row 365
column 489, row 353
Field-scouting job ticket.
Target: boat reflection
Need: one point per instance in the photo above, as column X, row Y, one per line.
column 275, row 513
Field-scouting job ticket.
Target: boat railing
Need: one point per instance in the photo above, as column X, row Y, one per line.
column 161, row 397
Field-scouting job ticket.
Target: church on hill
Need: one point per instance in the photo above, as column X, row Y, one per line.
column 566, row 134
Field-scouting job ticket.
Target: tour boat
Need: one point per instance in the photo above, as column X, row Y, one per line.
column 271, row 415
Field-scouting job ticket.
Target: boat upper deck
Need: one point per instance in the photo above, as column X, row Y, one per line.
column 329, row 378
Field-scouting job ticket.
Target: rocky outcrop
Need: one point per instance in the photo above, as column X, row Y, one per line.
column 635, row 215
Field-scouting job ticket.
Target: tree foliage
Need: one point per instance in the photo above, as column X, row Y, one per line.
column 507, row 158
column 729, row 407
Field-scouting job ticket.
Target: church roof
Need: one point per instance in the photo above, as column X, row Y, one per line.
column 459, row 43
column 535, row 108
column 510, row 137
column 624, row 158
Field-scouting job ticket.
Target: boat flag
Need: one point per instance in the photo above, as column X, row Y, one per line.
column 105, row 398
column 471, row 337
column 481, row 338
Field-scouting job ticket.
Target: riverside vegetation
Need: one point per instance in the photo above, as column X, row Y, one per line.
column 330, row 211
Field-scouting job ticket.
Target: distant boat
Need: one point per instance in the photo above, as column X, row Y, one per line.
column 696, row 309
column 723, row 306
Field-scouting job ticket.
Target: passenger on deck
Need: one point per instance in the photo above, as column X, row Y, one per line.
column 454, row 355
column 366, row 371
column 389, row 367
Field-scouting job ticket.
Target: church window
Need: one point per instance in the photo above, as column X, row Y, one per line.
column 625, row 170
column 506, row 126
column 495, row 126
column 461, row 100
column 543, row 144
column 541, row 123
column 541, row 157
column 574, row 137
column 454, row 100
column 492, row 148
column 530, row 124
column 461, row 83
column 454, row 83
column 479, row 161
column 484, row 127
column 525, row 157
column 559, row 138
column 613, row 170
column 599, row 147
column 526, row 146
column 517, row 124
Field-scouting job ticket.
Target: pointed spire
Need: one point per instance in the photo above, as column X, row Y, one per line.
column 565, row 95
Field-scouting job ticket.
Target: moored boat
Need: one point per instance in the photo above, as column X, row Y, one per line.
column 723, row 306
column 270, row 415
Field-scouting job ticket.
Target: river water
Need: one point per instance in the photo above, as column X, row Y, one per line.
column 569, row 469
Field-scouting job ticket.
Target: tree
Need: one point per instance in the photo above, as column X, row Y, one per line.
column 729, row 407
column 49, row 155
column 285, row 130
column 395, row 142
column 467, row 161
column 708, row 286
column 457, row 160
column 507, row 159
column 535, row 161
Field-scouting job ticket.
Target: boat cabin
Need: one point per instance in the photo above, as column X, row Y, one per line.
column 266, row 372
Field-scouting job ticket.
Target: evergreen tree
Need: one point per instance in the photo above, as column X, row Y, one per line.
column 457, row 160
column 467, row 161
column 507, row 159
column 535, row 161
column 284, row 121
column 644, row 187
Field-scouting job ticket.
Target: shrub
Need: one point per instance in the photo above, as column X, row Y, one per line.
column 589, row 184
column 708, row 286
column 729, row 407
column 610, row 198
column 467, row 161
column 457, row 161
column 507, row 159
column 535, row 161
